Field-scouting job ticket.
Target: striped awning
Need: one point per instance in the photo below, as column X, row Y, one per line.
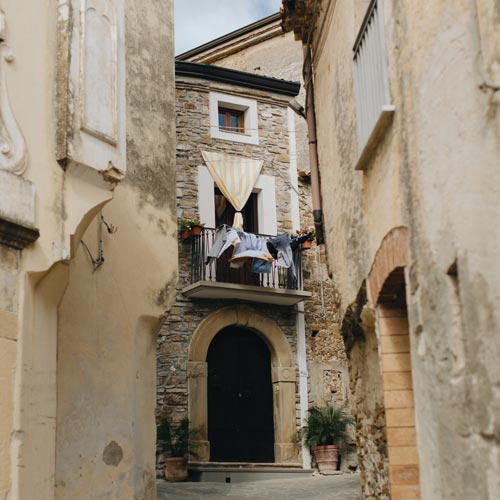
column 235, row 176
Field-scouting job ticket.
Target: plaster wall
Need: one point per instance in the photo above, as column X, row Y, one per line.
column 109, row 318
column 35, row 324
column 434, row 171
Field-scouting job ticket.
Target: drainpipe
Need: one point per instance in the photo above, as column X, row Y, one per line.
column 313, row 145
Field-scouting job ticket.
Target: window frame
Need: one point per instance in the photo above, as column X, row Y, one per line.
column 228, row 113
column 248, row 107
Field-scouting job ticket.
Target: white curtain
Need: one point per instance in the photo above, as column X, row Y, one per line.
column 236, row 177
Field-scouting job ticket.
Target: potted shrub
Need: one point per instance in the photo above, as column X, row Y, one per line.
column 189, row 227
column 326, row 432
column 305, row 238
column 196, row 227
column 177, row 442
column 309, row 238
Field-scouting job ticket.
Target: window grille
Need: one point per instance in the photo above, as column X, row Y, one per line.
column 370, row 76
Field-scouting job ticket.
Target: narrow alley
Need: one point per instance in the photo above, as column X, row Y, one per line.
column 338, row 487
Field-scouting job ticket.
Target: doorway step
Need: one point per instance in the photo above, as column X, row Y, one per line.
column 240, row 472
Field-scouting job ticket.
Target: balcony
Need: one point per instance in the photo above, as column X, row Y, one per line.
column 217, row 280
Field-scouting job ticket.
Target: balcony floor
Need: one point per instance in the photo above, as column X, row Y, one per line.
column 266, row 295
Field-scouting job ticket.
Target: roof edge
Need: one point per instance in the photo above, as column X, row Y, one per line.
column 229, row 36
column 236, row 77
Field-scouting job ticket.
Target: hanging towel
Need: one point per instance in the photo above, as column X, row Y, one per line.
column 251, row 246
column 225, row 236
column 280, row 249
column 261, row 266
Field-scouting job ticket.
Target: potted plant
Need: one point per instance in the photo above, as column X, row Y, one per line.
column 177, row 441
column 196, row 226
column 325, row 432
column 305, row 238
column 189, row 227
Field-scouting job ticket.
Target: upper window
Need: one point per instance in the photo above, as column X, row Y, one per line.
column 373, row 107
column 233, row 118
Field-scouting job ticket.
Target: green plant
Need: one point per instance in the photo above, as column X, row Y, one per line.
column 326, row 425
column 177, row 440
column 305, row 234
column 188, row 224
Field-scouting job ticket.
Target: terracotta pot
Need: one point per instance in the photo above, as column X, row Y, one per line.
column 196, row 230
column 306, row 244
column 176, row 469
column 186, row 234
column 327, row 458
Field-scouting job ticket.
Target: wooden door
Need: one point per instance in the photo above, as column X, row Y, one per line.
column 240, row 398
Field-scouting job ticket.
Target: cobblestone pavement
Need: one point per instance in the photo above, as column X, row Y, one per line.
column 343, row 487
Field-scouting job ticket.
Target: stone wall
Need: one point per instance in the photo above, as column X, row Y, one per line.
column 268, row 52
column 419, row 176
column 193, row 134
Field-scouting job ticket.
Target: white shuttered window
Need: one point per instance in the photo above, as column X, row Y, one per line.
column 370, row 76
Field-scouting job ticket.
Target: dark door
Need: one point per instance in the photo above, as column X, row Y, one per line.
column 225, row 215
column 240, row 398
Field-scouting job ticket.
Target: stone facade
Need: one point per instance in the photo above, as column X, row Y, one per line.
column 415, row 176
column 193, row 134
column 265, row 49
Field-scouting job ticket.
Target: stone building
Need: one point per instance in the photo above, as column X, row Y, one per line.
column 213, row 307
column 263, row 49
column 87, row 243
column 408, row 120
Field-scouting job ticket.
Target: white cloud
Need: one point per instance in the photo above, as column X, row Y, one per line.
column 199, row 21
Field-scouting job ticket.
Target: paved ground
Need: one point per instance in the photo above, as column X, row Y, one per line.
column 343, row 487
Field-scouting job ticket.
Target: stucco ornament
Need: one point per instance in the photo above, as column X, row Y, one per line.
column 13, row 152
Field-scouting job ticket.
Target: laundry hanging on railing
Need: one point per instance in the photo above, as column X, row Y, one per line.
column 261, row 252
column 235, row 176
column 225, row 237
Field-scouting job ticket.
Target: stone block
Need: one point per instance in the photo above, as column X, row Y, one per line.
column 395, row 343
column 17, row 199
column 399, row 399
column 403, row 455
column 393, row 326
column 401, row 436
column 17, row 211
column 396, row 417
column 405, row 492
column 396, row 362
column 404, row 474
column 397, row 381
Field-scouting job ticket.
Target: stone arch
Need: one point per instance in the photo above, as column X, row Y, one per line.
column 392, row 254
column 387, row 285
column 283, row 377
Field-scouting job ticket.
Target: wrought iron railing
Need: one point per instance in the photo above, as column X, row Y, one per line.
column 219, row 270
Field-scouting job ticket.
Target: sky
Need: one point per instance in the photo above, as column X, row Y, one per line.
column 199, row 21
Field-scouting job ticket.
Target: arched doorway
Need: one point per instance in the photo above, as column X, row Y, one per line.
column 283, row 377
column 387, row 283
column 240, row 397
